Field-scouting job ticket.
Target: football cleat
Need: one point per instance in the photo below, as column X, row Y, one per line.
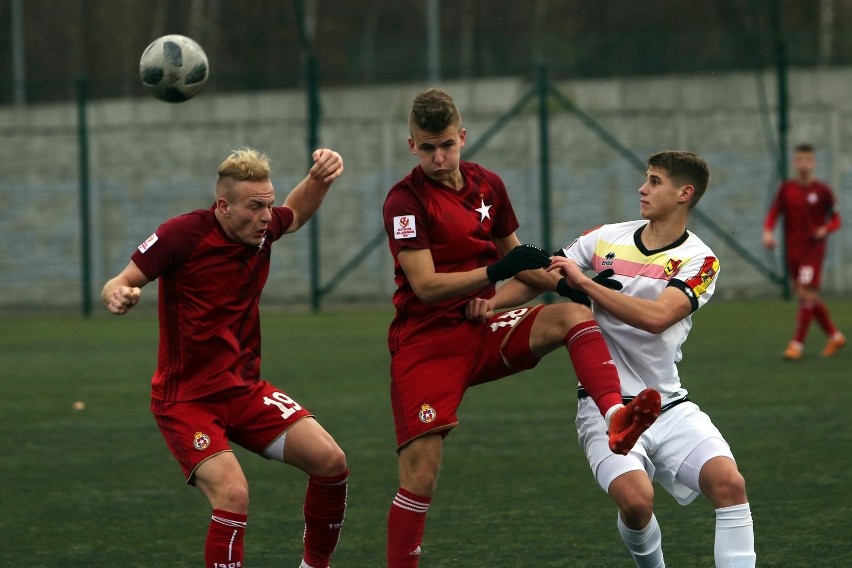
column 794, row 351
column 835, row 342
column 629, row 422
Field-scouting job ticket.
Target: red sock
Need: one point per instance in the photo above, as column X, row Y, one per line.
column 406, row 523
column 593, row 364
column 823, row 319
column 803, row 320
column 224, row 545
column 325, row 507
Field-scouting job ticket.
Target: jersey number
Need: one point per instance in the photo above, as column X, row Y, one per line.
column 285, row 404
column 806, row 275
column 508, row 319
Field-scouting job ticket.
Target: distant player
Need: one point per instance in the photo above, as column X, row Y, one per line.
column 451, row 230
column 810, row 214
column 667, row 273
column 207, row 391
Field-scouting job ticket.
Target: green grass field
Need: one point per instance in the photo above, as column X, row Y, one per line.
column 97, row 487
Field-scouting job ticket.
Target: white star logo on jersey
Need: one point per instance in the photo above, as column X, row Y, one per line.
column 483, row 211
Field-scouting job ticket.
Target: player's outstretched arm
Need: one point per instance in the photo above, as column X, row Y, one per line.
column 121, row 293
column 653, row 316
column 308, row 195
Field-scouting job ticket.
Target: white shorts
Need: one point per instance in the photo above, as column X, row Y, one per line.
column 672, row 451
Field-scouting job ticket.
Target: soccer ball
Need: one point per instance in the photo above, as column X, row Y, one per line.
column 174, row 68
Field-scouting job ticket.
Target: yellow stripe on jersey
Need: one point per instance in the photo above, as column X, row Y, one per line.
column 628, row 260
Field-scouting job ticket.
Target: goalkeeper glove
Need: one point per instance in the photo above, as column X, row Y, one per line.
column 522, row 257
column 604, row 278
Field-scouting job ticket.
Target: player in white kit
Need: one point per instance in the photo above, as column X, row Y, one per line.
column 666, row 273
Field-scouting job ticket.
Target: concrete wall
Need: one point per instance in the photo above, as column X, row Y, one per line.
column 151, row 160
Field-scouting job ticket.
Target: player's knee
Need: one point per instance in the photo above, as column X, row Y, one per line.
column 331, row 463
column 728, row 489
column 232, row 497
column 561, row 317
column 422, row 482
column 636, row 507
column 420, row 478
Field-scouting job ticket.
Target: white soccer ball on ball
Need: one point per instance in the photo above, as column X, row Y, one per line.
column 174, row 68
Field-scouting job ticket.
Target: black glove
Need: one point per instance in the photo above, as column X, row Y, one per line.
column 522, row 257
column 604, row 278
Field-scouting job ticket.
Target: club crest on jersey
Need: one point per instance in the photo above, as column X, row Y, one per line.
column 148, row 242
column 701, row 281
column 427, row 414
column 609, row 259
column 672, row 265
column 201, row 441
column 404, row 227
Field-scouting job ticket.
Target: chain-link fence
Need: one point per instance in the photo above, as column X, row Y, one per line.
column 150, row 161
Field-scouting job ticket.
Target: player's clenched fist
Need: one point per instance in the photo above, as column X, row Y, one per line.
column 121, row 299
column 328, row 165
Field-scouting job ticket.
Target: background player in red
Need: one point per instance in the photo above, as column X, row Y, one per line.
column 207, row 391
column 810, row 214
column 451, row 229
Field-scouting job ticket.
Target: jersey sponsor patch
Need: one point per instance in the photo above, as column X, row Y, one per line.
column 672, row 265
column 148, row 242
column 404, row 227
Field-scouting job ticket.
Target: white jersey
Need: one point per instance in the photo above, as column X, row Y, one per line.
column 645, row 359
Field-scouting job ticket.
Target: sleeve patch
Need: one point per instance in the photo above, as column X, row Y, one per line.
column 701, row 281
column 404, row 227
column 148, row 243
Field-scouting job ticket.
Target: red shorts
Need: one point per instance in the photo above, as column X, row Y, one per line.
column 806, row 269
column 252, row 417
column 430, row 376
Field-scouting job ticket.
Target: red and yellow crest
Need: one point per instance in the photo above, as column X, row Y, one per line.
column 201, row 441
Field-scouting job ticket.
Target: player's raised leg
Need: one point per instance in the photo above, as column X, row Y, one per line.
column 571, row 325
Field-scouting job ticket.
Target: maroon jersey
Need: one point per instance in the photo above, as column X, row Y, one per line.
column 457, row 227
column 805, row 208
column 208, row 298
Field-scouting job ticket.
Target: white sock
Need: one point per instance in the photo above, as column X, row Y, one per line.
column 305, row 565
column 646, row 545
column 734, row 546
column 610, row 411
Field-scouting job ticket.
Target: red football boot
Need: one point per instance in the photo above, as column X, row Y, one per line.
column 628, row 423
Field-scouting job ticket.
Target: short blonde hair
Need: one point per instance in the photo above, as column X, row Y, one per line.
column 241, row 165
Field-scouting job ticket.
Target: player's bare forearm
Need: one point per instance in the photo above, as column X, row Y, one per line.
column 443, row 286
column 514, row 292
column 305, row 199
column 653, row 316
column 431, row 286
column 121, row 293
column 541, row 280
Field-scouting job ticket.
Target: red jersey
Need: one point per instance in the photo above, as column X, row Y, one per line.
column 457, row 227
column 208, row 298
column 805, row 208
